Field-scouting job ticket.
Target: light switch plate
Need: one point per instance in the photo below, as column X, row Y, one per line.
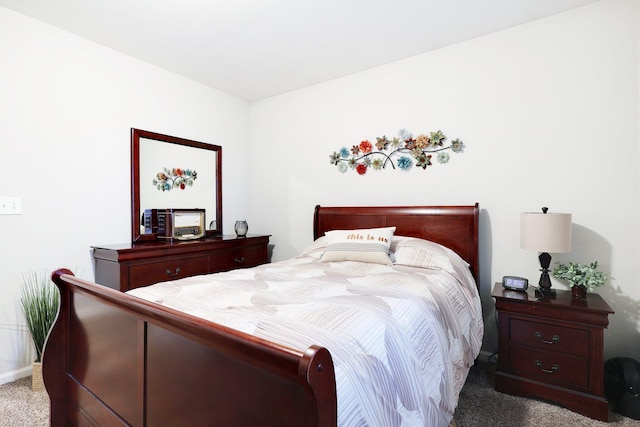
column 10, row 205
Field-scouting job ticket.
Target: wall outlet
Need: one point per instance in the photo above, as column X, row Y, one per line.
column 10, row 205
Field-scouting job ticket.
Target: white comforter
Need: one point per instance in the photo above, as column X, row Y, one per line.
column 402, row 337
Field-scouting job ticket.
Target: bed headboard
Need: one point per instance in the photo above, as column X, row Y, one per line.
column 453, row 226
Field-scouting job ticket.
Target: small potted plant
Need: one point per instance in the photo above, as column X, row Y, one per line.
column 39, row 301
column 582, row 277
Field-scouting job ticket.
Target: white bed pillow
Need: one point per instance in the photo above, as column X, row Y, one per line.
column 369, row 245
column 414, row 252
column 409, row 251
column 315, row 249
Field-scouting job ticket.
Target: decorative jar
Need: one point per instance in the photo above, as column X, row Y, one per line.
column 241, row 228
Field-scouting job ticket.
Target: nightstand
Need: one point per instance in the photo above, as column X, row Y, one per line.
column 552, row 348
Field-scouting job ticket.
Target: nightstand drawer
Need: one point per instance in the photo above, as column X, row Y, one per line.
column 549, row 337
column 554, row 368
column 147, row 274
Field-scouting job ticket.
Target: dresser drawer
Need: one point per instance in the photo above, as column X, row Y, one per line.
column 549, row 337
column 239, row 258
column 168, row 269
column 555, row 368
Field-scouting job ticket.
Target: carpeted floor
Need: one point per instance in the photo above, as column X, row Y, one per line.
column 479, row 406
column 22, row 407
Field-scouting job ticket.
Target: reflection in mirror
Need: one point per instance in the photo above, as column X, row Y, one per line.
column 175, row 173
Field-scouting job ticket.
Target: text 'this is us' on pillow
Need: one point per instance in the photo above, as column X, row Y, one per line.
column 363, row 245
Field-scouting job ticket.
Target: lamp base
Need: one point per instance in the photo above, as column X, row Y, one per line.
column 546, row 293
column 545, row 280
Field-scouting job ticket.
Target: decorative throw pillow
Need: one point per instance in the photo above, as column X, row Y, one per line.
column 364, row 245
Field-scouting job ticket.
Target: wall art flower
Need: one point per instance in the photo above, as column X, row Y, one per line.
column 174, row 178
column 402, row 151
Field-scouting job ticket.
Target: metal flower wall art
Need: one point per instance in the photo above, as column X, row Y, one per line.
column 402, row 151
column 174, row 178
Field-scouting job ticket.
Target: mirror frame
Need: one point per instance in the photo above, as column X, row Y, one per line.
column 136, row 135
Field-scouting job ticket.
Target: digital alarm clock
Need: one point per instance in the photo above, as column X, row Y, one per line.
column 515, row 283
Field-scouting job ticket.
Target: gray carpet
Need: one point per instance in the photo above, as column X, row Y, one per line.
column 22, row 407
column 479, row 406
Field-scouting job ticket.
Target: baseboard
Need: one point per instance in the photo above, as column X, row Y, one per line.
column 11, row 376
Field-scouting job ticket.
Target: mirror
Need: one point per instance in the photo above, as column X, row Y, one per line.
column 177, row 173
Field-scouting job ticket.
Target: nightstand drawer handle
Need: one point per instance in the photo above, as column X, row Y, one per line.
column 169, row 273
column 554, row 339
column 553, row 369
column 239, row 259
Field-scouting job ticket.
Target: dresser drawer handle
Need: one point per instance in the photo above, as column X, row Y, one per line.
column 554, row 339
column 239, row 260
column 169, row 273
column 553, row 369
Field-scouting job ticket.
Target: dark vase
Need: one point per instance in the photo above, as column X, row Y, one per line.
column 579, row 291
column 241, row 228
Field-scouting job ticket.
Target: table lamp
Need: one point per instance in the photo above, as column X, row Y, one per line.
column 545, row 232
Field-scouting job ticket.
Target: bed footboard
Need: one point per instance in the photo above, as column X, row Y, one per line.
column 113, row 359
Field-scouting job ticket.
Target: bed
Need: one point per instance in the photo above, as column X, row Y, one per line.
column 117, row 359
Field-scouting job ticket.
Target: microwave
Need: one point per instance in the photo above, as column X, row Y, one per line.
column 180, row 224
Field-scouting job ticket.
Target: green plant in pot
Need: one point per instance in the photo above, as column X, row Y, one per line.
column 39, row 301
column 581, row 277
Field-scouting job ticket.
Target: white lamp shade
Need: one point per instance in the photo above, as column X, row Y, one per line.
column 550, row 232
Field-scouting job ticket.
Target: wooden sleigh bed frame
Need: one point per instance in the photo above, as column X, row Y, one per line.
column 114, row 359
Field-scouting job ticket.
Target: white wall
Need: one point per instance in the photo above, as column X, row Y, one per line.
column 548, row 112
column 66, row 109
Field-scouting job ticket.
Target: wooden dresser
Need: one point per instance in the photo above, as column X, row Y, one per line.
column 133, row 265
column 552, row 348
